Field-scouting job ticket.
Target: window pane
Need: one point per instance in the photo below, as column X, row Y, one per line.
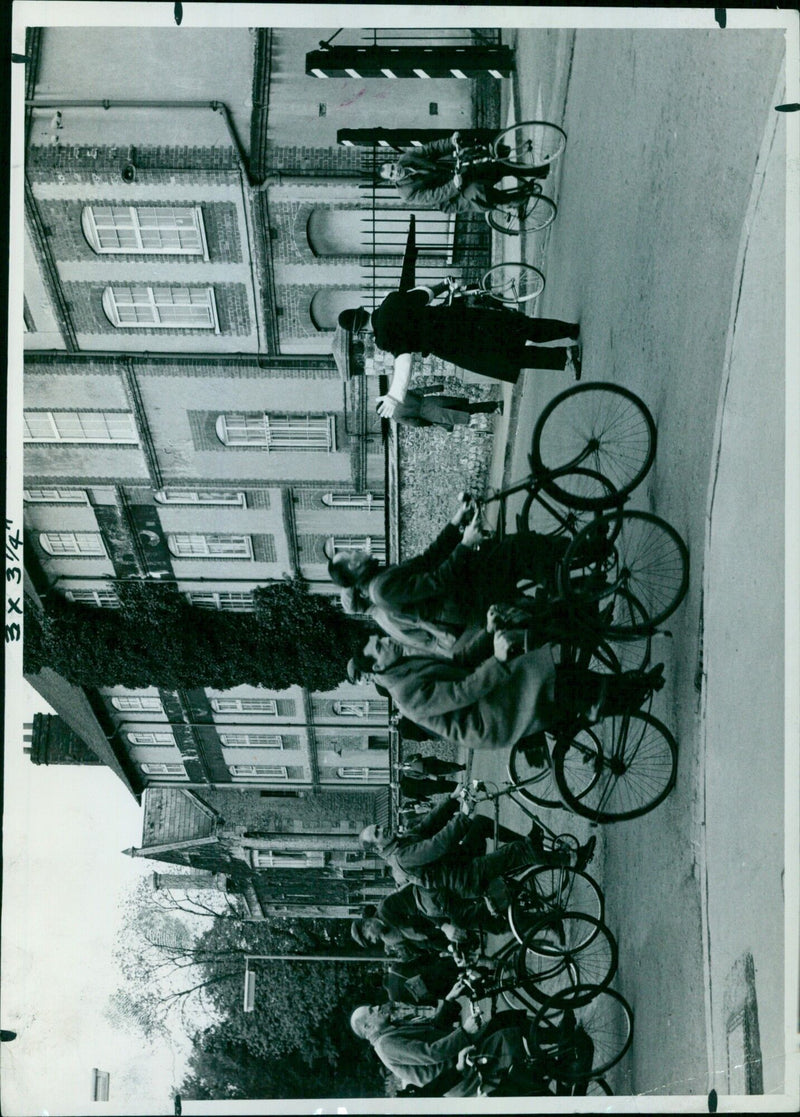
column 106, row 599
column 137, row 702
column 55, row 496
column 238, row 602
column 186, row 545
column 254, row 740
column 245, row 705
column 261, row 770
column 72, row 543
column 151, row 738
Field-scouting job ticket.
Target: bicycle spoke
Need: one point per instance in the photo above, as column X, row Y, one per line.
column 608, row 428
column 636, row 773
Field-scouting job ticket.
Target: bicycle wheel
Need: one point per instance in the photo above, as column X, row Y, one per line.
column 578, row 1043
column 635, row 769
column 510, row 991
column 543, row 512
column 563, row 954
column 547, row 889
column 538, row 785
column 534, row 213
column 513, row 284
column 602, row 426
column 648, row 559
column 531, row 143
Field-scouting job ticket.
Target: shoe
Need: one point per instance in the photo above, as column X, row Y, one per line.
column 585, row 853
column 536, row 837
column 573, row 361
column 535, row 750
column 626, row 693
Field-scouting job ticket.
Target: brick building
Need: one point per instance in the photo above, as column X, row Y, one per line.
column 192, row 229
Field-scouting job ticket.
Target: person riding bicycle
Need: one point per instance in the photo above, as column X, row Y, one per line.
column 440, row 174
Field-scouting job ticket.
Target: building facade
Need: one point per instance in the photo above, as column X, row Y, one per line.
column 186, row 257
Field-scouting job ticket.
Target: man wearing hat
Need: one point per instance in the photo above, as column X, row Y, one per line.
column 497, row 343
column 452, row 584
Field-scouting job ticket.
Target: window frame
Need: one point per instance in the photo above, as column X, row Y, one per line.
column 374, row 545
column 134, row 736
column 111, row 307
column 116, row 699
column 162, row 768
column 370, row 775
column 269, row 432
column 45, row 542
column 98, row 593
column 218, row 603
column 56, row 436
column 251, row 740
column 364, row 501
column 266, row 706
column 93, row 233
column 238, row 770
column 173, row 538
column 197, row 496
column 55, row 496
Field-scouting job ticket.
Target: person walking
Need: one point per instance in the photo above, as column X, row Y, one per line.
column 496, row 343
column 427, row 408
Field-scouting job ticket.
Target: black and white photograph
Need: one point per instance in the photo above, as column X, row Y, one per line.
column 402, row 560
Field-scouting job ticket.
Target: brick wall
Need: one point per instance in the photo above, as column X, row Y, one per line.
column 264, row 548
column 335, row 162
column 88, row 316
column 73, row 163
column 62, row 220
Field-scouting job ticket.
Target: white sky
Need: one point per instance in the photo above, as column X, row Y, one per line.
column 64, row 829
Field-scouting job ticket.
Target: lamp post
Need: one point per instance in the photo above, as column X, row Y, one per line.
column 250, row 977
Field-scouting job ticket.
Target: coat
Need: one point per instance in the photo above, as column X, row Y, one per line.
column 418, row 1053
column 492, row 707
column 436, row 835
column 427, row 179
column 453, row 585
column 421, row 409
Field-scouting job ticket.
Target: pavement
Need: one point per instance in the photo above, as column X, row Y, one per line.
column 746, row 878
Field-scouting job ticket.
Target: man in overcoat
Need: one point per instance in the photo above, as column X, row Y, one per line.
column 452, row 584
column 504, row 699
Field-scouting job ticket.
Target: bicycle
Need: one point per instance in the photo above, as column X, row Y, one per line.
column 512, row 284
column 608, row 438
column 525, row 145
column 567, row 1048
column 542, row 889
column 562, row 956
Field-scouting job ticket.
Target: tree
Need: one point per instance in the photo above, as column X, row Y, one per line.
column 156, row 638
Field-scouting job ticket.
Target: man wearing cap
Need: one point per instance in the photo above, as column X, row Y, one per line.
column 452, row 584
column 494, row 343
